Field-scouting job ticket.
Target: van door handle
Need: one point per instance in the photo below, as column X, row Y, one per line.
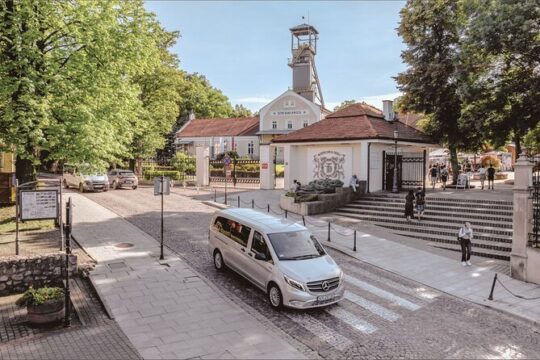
column 243, row 250
column 250, row 254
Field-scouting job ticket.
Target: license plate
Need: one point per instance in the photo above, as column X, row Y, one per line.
column 128, row 181
column 324, row 298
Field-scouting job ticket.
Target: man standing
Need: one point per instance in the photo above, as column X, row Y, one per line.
column 465, row 236
column 433, row 174
column 420, row 202
column 482, row 173
column 491, row 176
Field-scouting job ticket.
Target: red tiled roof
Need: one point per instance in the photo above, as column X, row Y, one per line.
column 355, row 122
column 411, row 119
column 245, row 126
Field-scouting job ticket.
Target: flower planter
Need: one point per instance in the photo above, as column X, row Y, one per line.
column 49, row 312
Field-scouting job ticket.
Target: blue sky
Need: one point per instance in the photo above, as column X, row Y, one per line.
column 242, row 47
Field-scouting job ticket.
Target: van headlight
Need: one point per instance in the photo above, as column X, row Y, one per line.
column 295, row 284
column 88, row 182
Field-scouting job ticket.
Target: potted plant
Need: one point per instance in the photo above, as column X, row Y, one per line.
column 44, row 305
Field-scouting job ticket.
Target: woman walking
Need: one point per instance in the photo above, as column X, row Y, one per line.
column 465, row 236
column 420, row 202
column 444, row 177
column 409, row 205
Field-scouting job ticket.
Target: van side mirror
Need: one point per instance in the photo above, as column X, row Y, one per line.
column 260, row 256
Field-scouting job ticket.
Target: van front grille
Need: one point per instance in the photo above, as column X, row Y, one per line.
column 317, row 286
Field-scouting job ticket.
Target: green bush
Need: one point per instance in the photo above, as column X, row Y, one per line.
column 324, row 186
column 183, row 162
column 232, row 154
column 35, row 297
column 173, row 174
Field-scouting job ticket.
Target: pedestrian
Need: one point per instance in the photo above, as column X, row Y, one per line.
column 295, row 186
column 409, row 205
column 433, row 174
column 353, row 182
column 491, row 176
column 420, row 202
column 465, row 237
column 482, row 173
column 444, row 176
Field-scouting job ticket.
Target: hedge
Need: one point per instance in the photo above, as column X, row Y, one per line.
column 151, row 174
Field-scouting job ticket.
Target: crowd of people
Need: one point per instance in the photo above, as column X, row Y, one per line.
column 441, row 173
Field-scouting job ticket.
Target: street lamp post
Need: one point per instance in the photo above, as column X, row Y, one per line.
column 395, row 185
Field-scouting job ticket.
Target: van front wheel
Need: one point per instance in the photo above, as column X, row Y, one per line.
column 275, row 297
column 218, row 261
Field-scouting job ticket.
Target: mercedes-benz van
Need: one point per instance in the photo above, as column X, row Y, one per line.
column 279, row 256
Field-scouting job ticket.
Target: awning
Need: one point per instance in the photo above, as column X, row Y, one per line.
column 183, row 142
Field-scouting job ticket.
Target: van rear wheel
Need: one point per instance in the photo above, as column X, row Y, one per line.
column 275, row 297
column 218, row 261
column 81, row 187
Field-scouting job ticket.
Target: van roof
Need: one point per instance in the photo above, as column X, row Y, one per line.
column 267, row 223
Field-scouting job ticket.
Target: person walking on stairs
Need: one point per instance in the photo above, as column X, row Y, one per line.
column 465, row 237
column 409, row 205
column 444, row 177
column 420, row 202
column 433, row 174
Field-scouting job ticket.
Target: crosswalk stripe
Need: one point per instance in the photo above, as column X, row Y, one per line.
column 382, row 293
column 322, row 331
column 352, row 320
column 372, row 307
column 419, row 292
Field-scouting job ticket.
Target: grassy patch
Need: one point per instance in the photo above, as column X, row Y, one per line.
column 7, row 222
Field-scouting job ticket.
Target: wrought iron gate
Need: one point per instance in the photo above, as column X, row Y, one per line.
column 411, row 170
column 534, row 236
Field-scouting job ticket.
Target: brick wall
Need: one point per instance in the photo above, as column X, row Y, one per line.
column 18, row 273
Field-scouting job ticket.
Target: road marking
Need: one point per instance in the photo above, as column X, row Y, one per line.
column 372, row 307
column 352, row 320
column 419, row 292
column 322, row 331
column 382, row 293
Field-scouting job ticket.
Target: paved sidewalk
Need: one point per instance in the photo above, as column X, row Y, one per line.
column 376, row 246
column 164, row 307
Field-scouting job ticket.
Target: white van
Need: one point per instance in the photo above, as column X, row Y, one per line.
column 280, row 257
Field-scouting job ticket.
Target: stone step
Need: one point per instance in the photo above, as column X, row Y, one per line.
column 474, row 252
column 466, row 204
column 432, row 206
column 439, row 198
column 454, row 218
column 429, row 227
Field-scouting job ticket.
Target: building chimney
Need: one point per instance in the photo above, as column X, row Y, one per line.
column 388, row 110
column 191, row 115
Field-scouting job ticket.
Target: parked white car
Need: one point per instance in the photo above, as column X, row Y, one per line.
column 280, row 257
column 85, row 178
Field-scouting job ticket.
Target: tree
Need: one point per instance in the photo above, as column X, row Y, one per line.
column 344, row 104
column 502, row 45
column 430, row 82
column 241, row 111
column 66, row 71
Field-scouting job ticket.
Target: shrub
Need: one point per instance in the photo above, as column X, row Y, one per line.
column 173, row 174
column 491, row 159
column 183, row 162
column 232, row 154
column 33, row 297
column 306, row 198
column 322, row 186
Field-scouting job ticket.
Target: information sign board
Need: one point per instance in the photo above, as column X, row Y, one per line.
column 227, row 160
column 39, row 204
column 166, row 186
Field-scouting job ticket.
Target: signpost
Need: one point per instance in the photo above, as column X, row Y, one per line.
column 69, row 217
column 162, row 186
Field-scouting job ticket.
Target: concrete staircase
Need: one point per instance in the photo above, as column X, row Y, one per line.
column 491, row 221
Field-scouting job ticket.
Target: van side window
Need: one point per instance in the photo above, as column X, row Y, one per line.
column 258, row 245
column 233, row 229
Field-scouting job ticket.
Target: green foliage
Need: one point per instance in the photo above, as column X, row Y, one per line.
column 173, row 174
column 344, row 104
column 232, row 154
column 34, row 297
column 299, row 198
column 183, row 162
column 241, row 111
column 321, row 186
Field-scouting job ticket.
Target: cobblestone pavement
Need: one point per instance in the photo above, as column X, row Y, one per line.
column 383, row 315
column 91, row 336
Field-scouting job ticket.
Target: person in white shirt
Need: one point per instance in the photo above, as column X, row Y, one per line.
column 353, row 182
column 465, row 237
column 482, row 172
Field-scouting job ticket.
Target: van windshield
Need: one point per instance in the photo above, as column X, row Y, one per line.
column 296, row 245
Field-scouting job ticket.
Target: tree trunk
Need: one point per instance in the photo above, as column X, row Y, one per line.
column 138, row 166
column 25, row 170
column 454, row 163
column 132, row 165
column 517, row 141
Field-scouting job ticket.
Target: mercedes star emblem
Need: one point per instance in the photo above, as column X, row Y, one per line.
column 325, row 286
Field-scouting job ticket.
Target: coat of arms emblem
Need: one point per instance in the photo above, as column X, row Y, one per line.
column 328, row 165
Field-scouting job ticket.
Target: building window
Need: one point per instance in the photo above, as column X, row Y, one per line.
column 305, row 123
column 250, row 148
column 289, row 104
column 274, row 124
column 289, row 124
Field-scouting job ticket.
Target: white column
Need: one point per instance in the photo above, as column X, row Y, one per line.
column 522, row 215
column 267, row 167
column 287, row 177
column 202, row 165
column 362, row 158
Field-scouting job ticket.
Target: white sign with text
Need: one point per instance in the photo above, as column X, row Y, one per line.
column 39, row 204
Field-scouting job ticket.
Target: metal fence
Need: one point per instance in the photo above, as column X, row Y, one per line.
column 242, row 171
column 534, row 235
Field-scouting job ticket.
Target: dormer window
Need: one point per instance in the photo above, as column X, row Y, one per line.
column 289, row 124
column 305, row 124
column 274, row 124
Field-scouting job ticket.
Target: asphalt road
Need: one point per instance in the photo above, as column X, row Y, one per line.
column 383, row 315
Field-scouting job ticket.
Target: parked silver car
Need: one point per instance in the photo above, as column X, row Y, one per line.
column 119, row 178
column 279, row 256
column 85, row 178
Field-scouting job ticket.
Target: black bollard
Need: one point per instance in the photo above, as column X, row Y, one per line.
column 286, row 214
column 354, row 246
column 492, row 287
column 304, row 220
column 252, row 203
column 239, row 201
column 268, row 207
column 328, row 231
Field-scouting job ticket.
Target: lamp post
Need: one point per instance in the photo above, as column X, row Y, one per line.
column 395, row 185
